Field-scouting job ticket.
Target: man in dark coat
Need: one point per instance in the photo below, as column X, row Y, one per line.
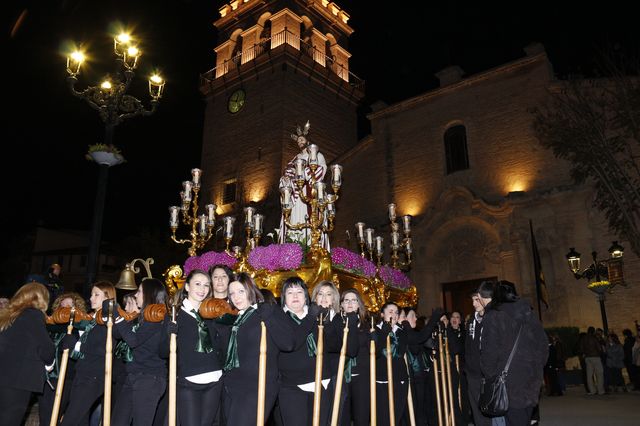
column 504, row 317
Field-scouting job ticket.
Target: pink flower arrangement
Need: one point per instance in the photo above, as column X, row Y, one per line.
column 394, row 278
column 276, row 257
column 352, row 262
column 207, row 260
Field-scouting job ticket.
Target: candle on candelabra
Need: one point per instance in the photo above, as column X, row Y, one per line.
column 257, row 224
column 248, row 216
column 313, row 153
column 320, row 186
column 187, row 185
column 407, row 245
column 195, row 175
column 336, row 175
column 395, row 239
column 237, row 251
column 211, row 214
column 300, row 165
column 228, row 226
column 369, row 232
column 392, row 212
column 331, row 209
column 202, row 224
column 285, row 197
column 360, row 228
column 173, row 216
column 379, row 246
column 406, row 224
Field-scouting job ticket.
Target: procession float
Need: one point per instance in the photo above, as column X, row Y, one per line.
column 302, row 248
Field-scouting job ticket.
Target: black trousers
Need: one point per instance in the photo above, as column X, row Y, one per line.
column 358, row 401
column 519, row 416
column 13, row 405
column 296, row 406
column 198, row 404
column 474, row 396
column 85, row 391
column 138, row 400
column 241, row 402
column 400, row 391
column 47, row 398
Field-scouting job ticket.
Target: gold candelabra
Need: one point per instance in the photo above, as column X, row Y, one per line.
column 322, row 204
column 201, row 225
column 375, row 244
column 253, row 228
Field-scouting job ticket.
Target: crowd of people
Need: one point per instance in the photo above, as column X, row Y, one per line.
column 218, row 368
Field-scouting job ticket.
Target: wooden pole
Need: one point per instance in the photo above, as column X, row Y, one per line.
column 318, row 377
column 436, row 380
column 412, row 414
column 372, row 378
column 173, row 372
column 339, row 377
column 392, row 409
column 443, row 377
column 108, row 365
column 61, row 375
column 447, row 358
column 262, row 375
column 459, row 388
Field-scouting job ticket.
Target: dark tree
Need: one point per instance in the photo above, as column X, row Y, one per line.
column 595, row 125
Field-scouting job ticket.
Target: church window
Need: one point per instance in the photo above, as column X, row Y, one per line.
column 455, row 145
column 229, row 194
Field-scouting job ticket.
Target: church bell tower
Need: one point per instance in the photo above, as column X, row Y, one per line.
column 279, row 63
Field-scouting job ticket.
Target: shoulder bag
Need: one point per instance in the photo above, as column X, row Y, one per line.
column 494, row 400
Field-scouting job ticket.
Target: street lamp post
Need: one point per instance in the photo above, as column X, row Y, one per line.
column 601, row 275
column 114, row 105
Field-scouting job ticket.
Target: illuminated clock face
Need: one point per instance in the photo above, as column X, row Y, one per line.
column 236, row 101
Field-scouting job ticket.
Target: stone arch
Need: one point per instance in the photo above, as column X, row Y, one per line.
column 236, row 42
column 464, row 247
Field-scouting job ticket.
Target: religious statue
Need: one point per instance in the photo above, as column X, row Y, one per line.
column 300, row 211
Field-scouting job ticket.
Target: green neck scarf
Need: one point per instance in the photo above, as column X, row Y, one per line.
column 204, row 339
column 394, row 346
column 78, row 354
column 123, row 350
column 351, row 362
column 311, row 343
column 414, row 362
column 232, row 351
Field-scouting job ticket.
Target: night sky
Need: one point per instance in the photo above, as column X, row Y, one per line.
column 46, row 180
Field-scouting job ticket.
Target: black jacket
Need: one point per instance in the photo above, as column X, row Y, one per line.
column 499, row 331
column 25, row 350
column 150, row 345
column 191, row 362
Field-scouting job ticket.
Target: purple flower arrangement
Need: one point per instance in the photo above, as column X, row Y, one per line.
column 207, row 260
column 394, row 278
column 276, row 257
column 352, row 262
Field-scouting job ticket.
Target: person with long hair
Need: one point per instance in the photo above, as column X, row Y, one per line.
column 243, row 352
column 57, row 332
column 26, row 350
column 400, row 339
column 146, row 369
column 506, row 317
column 356, row 407
column 199, row 348
column 326, row 295
column 89, row 352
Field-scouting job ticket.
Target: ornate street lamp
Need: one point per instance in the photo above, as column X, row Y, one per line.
column 114, row 105
column 601, row 275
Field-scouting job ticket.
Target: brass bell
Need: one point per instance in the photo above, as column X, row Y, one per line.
column 127, row 279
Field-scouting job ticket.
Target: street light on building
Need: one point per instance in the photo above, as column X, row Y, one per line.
column 114, row 105
column 601, row 275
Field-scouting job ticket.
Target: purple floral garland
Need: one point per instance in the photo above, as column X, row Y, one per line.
column 276, row 257
column 394, row 278
column 207, row 260
column 352, row 262
column 279, row 257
